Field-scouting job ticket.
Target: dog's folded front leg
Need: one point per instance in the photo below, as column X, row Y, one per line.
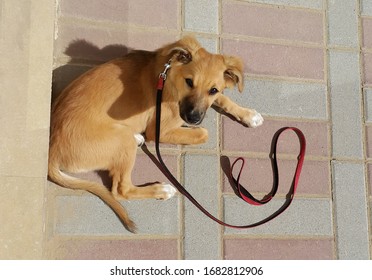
column 249, row 117
column 185, row 136
column 181, row 136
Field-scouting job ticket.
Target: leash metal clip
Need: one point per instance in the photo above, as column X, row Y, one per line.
column 167, row 65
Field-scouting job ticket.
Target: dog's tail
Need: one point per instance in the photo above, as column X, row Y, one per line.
column 57, row 176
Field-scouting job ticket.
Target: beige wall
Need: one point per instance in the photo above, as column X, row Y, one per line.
column 26, row 48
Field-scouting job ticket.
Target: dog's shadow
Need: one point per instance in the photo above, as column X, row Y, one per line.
column 83, row 55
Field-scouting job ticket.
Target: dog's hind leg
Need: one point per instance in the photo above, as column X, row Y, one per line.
column 122, row 186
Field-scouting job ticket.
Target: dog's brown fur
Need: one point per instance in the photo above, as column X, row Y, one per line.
column 95, row 118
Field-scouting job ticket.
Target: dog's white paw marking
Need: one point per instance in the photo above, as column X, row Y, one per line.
column 256, row 120
column 251, row 118
column 139, row 139
column 169, row 191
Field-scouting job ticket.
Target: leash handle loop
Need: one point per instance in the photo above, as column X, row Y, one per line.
column 247, row 196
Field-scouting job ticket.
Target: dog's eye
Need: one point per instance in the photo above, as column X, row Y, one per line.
column 189, row 82
column 213, row 91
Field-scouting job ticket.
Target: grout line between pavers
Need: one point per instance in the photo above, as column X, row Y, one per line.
column 329, row 108
column 273, row 41
column 367, row 50
column 181, row 16
column 278, row 78
column 221, row 208
column 181, row 210
column 365, row 16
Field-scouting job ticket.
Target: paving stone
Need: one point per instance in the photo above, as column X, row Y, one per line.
column 201, row 239
column 366, row 7
column 278, row 60
column 350, row 211
column 305, row 217
column 278, row 249
column 239, row 138
column 343, row 23
column 283, row 99
column 88, row 215
column 201, row 16
column 345, row 93
column 140, row 12
column 91, row 249
column 271, row 22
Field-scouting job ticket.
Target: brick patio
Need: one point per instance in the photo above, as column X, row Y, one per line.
column 307, row 64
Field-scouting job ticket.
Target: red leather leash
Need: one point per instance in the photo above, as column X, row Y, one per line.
column 241, row 191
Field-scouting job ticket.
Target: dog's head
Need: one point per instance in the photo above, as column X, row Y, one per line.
column 197, row 77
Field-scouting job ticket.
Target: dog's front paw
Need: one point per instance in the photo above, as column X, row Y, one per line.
column 201, row 136
column 252, row 118
column 257, row 120
column 167, row 192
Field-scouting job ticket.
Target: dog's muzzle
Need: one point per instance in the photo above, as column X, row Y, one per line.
column 191, row 111
column 194, row 117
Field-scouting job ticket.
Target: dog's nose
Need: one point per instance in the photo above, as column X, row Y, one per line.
column 194, row 117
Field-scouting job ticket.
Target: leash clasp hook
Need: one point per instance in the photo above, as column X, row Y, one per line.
column 167, row 65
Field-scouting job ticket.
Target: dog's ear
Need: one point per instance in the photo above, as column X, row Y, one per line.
column 182, row 55
column 182, row 50
column 234, row 72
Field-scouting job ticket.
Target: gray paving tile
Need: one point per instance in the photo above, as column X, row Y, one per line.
column 304, row 217
column 343, row 23
column 345, row 104
column 287, row 99
column 88, row 215
column 201, row 239
column 201, row 15
column 209, row 44
column 350, row 211
column 366, row 7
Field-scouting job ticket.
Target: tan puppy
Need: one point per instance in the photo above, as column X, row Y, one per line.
column 98, row 120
